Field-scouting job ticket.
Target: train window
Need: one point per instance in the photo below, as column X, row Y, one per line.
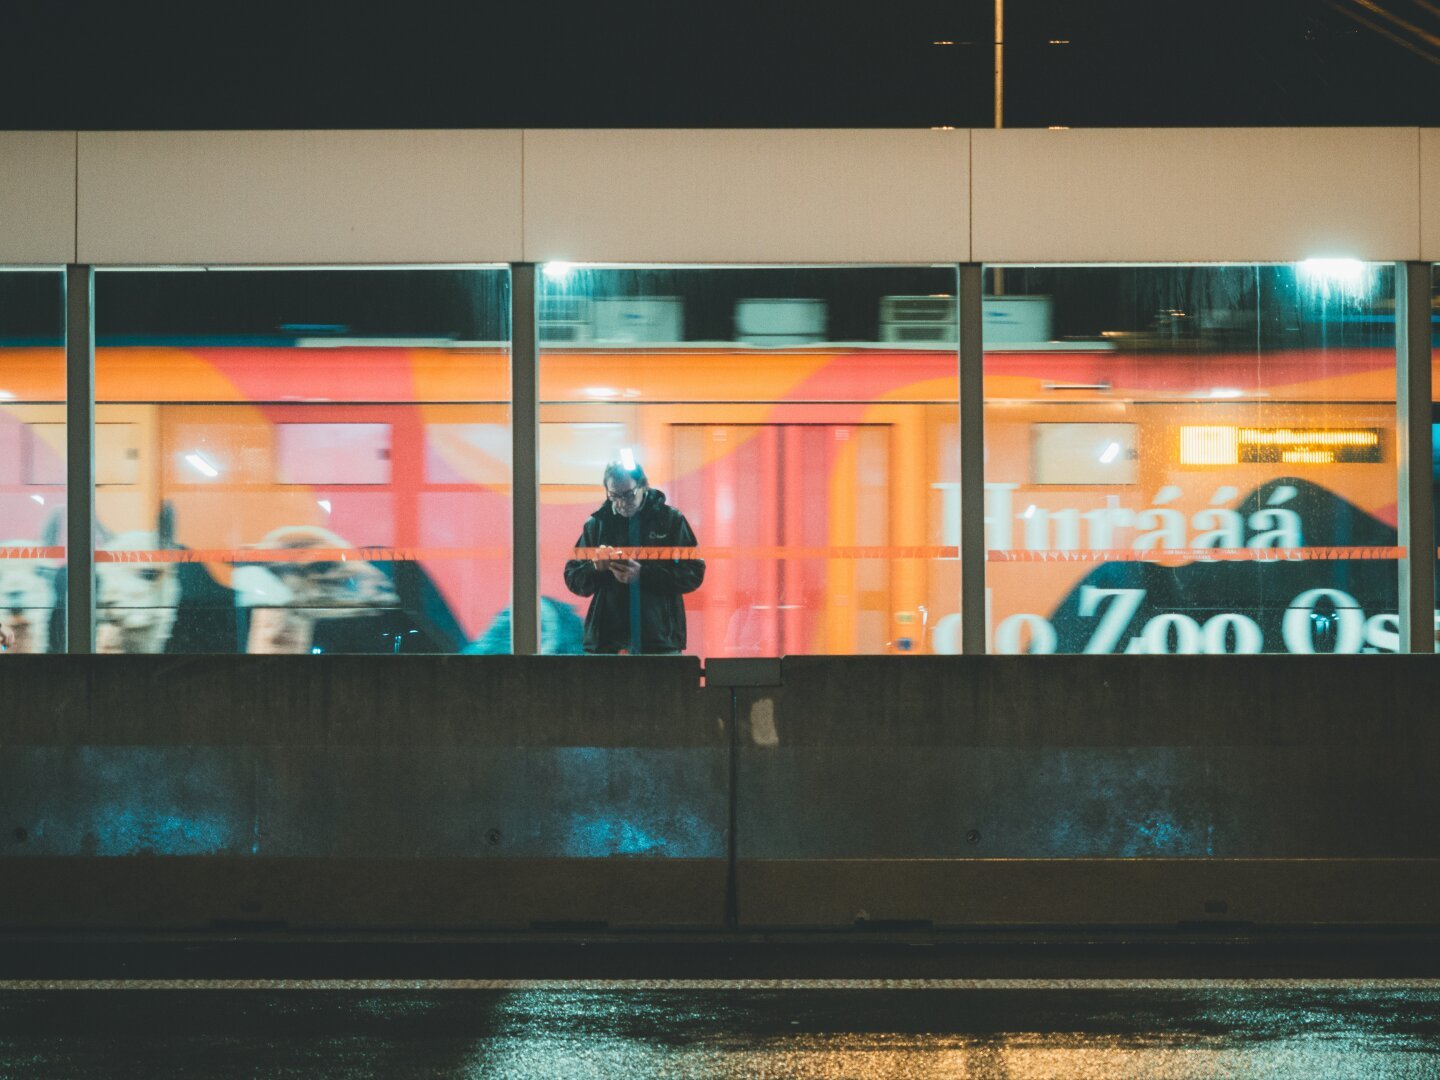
column 467, row 454
column 576, row 453
column 798, row 418
column 117, row 454
column 354, row 453
column 1083, row 453
column 299, row 427
column 1194, row 459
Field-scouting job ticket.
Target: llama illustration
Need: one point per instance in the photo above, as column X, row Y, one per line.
column 28, row 591
column 287, row 598
column 136, row 602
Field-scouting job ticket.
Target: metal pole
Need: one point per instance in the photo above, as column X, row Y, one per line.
column 525, row 468
column 1413, row 419
column 999, row 63
column 972, row 462
column 80, row 458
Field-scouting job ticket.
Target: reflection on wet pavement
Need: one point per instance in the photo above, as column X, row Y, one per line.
column 610, row 1031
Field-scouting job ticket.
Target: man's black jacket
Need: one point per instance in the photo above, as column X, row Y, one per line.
column 660, row 585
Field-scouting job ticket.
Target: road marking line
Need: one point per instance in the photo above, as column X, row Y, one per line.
column 582, row 985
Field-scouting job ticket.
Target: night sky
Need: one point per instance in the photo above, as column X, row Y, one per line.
column 90, row 64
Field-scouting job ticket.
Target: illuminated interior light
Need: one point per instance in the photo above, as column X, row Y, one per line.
column 1059, row 41
column 1308, row 457
column 1226, row 392
column 1350, row 277
column 38, row 499
column 601, row 391
column 1029, row 511
column 1209, row 445
column 6, row 395
column 942, row 43
column 943, row 127
column 1110, row 453
column 557, row 271
column 1304, row 437
column 627, row 457
column 1058, row 127
column 200, row 465
column 324, row 504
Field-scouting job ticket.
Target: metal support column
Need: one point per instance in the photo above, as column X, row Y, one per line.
column 80, row 458
column 525, row 468
column 972, row 462
column 1413, row 417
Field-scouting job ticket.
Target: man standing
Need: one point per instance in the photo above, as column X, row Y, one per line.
column 635, row 605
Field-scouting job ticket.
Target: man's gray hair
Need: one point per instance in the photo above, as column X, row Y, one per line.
column 616, row 469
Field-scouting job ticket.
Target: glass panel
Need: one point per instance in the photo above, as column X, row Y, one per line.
column 303, row 461
column 802, row 420
column 1435, row 423
column 1192, row 459
column 32, row 461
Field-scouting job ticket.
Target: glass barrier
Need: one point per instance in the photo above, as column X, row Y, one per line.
column 302, row 461
column 32, row 461
column 796, row 426
column 1191, row 459
column 1435, row 425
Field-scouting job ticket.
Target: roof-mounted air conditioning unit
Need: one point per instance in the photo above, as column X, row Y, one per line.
column 564, row 318
column 624, row 320
column 780, row 322
column 917, row 319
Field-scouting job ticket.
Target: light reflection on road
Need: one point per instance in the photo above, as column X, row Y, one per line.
column 814, row 1031
column 1227, row 1034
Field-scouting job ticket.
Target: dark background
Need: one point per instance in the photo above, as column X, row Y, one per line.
column 85, row 64
column 68, row 64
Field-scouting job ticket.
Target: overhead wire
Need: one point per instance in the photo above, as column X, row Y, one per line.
column 1369, row 5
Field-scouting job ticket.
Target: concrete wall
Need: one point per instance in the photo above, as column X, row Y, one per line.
column 1092, row 791
column 429, row 791
column 881, row 196
column 497, row 792
column 37, row 197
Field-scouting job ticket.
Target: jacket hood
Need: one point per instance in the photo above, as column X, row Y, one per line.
column 654, row 500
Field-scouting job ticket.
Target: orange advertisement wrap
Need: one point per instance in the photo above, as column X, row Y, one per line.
column 295, row 499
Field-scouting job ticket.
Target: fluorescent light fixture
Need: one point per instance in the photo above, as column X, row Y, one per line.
column 38, row 499
column 557, row 271
column 1110, row 453
column 1226, row 392
column 6, row 395
column 200, row 465
column 601, row 391
column 1029, row 511
column 1209, row 444
column 627, row 457
column 324, row 504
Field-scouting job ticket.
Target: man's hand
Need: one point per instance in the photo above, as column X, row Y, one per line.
column 602, row 557
column 7, row 637
column 625, row 571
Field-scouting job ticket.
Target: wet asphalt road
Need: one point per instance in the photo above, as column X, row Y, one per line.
column 724, row 1028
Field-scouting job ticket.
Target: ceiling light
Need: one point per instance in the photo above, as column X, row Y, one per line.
column 200, row 465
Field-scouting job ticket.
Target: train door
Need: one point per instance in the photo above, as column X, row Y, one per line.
column 777, row 504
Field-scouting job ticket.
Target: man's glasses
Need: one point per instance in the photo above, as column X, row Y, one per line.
column 624, row 498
